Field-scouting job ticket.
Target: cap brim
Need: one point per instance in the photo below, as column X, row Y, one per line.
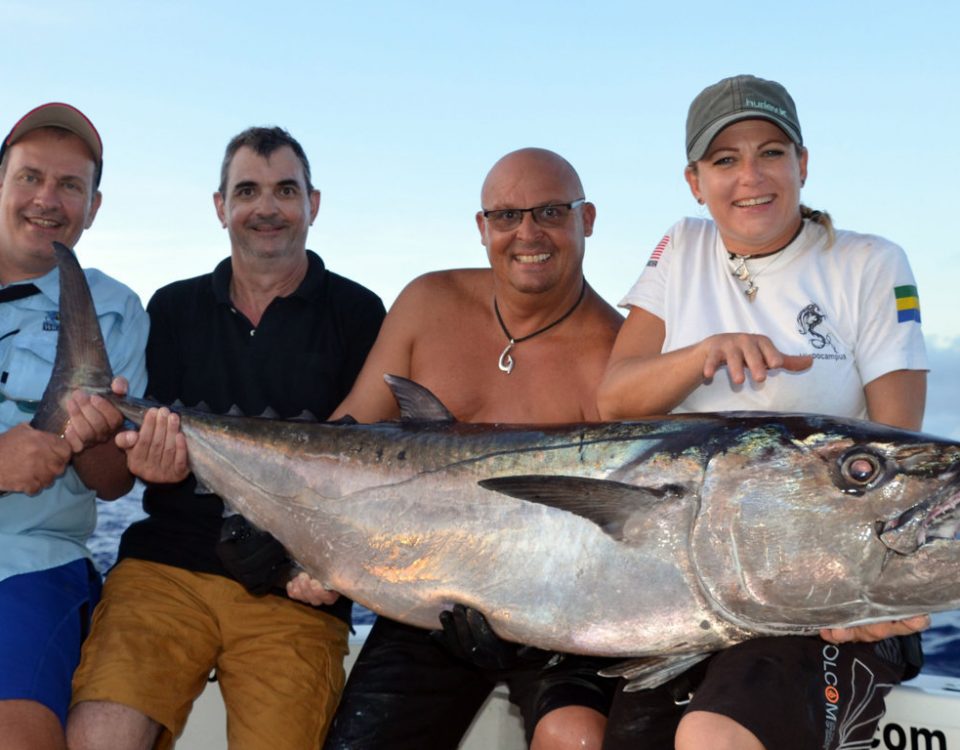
column 698, row 149
column 57, row 115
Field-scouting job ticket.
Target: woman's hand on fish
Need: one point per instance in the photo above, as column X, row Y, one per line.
column 158, row 452
column 877, row 631
column 303, row 588
column 744, row 353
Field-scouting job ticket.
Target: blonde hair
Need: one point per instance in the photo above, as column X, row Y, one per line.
column 819, row 217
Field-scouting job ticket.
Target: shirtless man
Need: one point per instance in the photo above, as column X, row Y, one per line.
column 450, row 331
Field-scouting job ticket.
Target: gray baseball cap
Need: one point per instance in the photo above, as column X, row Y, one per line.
column 738, row 98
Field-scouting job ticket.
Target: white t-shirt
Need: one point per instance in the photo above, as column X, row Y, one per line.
column 853, row 306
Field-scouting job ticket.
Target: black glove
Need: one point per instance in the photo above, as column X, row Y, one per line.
column 253, row 557
column 467, row 635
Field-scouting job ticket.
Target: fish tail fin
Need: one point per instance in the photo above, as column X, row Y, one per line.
column 81, row 360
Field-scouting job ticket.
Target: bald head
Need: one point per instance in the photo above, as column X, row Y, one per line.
column 529, row 165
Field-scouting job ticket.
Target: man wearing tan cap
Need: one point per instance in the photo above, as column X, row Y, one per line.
column 50, row 167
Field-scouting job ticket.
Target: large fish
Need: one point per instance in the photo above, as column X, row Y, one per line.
column 667, row 536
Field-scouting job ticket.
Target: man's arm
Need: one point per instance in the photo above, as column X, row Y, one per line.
column 98, row 462
column 370, row 399
column 94, row 421
column 668, row 378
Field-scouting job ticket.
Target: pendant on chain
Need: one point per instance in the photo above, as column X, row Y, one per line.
column 506, row 361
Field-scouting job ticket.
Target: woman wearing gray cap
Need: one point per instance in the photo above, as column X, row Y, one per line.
column 803, row 318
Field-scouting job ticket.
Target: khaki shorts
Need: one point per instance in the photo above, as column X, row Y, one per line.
column 159, row 631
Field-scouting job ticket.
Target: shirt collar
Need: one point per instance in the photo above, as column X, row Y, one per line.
column 308, row 287
column 49, row 285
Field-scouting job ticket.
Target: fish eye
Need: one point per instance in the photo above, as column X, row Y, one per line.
column 860, row 469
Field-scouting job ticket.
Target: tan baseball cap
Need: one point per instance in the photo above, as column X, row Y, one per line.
column 59, row 115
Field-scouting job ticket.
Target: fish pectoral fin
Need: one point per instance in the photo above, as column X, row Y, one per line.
column 652, row 671
column 609, row 504
column 417, row 404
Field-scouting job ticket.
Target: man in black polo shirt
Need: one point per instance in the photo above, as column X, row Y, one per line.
column 269, row 329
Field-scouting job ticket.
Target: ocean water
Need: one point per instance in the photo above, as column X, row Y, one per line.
column 941, row 643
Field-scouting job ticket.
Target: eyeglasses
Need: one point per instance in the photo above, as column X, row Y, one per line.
column 27, row 406
column 551, row 215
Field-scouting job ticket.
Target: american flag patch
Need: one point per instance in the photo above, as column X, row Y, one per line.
column 658, row 250
column 908, row 303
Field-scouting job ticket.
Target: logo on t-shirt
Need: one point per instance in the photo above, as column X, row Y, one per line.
column 908, row 303
column 51, row 321
column 808, row 321
column 658, row 250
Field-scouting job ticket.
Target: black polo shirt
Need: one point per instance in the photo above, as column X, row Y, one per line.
column 303, row 356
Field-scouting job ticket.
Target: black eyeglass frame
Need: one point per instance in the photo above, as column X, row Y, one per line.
column 532, row 211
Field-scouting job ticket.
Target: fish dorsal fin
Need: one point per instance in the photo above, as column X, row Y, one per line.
column 416, row 403
column 607, row 503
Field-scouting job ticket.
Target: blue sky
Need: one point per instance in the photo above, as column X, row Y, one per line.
column 403, row 106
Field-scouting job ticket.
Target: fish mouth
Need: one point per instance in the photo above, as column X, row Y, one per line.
column 933, row 521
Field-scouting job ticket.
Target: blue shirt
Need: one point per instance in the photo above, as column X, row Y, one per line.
column 51, row 528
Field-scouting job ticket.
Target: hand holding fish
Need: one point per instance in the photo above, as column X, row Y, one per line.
column 877, row 631
column 304, row 588
column 30, row 459
column 466, row 634
column 158, row 452
column 93, row 420
column 747, row 352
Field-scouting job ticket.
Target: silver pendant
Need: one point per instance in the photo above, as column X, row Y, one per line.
column 751, row 291
column 741, row 271
column 506, row 361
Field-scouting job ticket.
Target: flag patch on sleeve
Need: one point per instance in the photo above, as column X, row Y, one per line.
column 908, row 303
column 658, row 250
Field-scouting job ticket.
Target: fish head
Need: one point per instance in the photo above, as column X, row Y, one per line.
column 811, row 521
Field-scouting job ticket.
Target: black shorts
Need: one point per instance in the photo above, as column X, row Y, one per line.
column 406, row 691
column 793, row 693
